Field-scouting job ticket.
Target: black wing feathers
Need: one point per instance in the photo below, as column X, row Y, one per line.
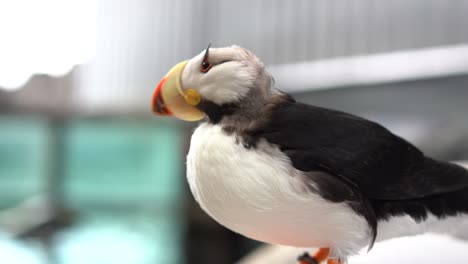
column 362, row 153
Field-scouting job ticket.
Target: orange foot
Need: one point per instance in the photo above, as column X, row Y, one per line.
column 321, row 255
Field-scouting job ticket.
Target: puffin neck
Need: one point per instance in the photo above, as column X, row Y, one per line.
column 216, row 112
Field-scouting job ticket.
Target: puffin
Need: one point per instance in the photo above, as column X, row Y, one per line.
column 283, row 172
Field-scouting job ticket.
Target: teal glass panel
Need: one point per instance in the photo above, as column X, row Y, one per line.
column 24, row 158
column 112, row 161
column 124, row 178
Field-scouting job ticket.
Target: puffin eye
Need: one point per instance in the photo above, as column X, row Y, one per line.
column 205, row 66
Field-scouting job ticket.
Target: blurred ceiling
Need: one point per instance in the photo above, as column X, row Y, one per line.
column 44, row 37
column 138, row 41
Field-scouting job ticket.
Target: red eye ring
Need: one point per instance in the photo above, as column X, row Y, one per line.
column 205, row 66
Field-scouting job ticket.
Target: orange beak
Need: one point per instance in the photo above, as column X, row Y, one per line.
column 158, row 105
column 171, row 99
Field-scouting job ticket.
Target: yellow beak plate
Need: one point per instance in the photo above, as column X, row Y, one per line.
column 170, row 98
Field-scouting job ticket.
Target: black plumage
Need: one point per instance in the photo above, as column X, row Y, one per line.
column 355, row 160
column 362, row 163
column 359, row 152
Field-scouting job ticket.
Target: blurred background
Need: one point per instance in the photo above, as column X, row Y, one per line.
column 88, row 175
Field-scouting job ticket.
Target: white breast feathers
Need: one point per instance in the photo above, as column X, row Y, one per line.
column 256, row 192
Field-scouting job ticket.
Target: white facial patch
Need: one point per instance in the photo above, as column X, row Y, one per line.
column 228, row 81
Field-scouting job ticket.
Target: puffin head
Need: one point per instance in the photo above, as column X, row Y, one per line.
column 215, row 80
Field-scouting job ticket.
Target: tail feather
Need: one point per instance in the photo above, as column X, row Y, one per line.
column 437, row 177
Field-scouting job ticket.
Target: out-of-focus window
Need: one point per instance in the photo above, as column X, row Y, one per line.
column 24, row 159
column 124, row 179
column 121, row 177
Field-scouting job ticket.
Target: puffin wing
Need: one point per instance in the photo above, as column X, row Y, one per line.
column 359, row 152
